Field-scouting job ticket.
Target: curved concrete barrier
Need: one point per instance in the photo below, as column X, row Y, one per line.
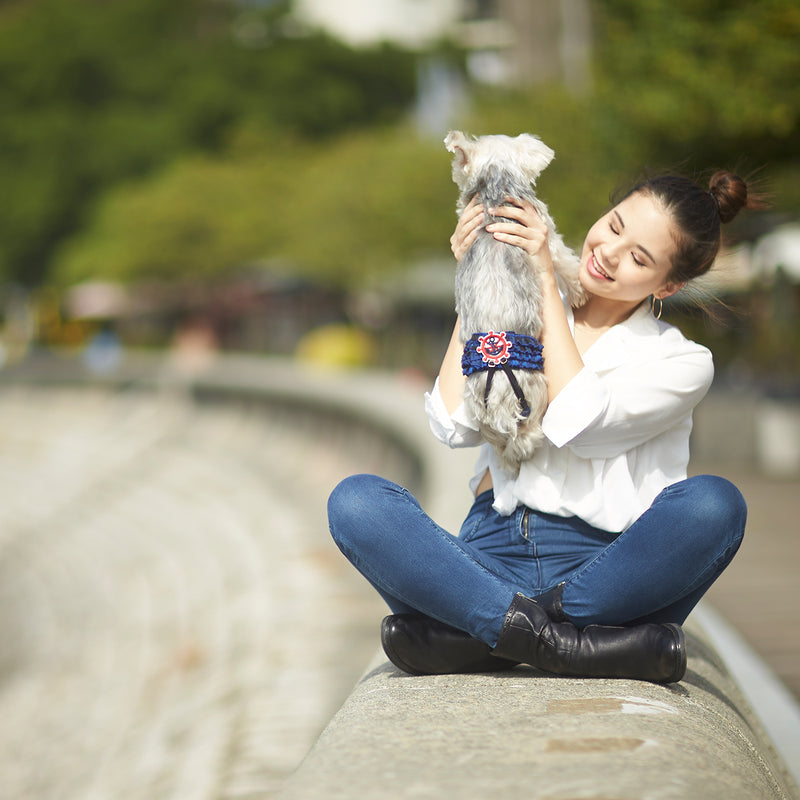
column 518, row 732
column 525, row 734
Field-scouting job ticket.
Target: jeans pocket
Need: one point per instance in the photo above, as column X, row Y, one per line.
column 472, row 527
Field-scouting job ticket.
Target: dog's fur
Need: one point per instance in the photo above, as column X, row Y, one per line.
column 498, row 288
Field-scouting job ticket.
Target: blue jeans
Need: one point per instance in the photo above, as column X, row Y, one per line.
column 655, row 571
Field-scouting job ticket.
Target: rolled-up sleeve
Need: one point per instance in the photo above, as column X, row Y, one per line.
column 580, row 403
column 601, row 414
column 455, row 430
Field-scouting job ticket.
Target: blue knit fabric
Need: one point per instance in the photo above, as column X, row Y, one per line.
column 492, row 350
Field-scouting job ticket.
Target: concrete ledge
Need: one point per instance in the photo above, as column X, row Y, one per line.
column 526, row 734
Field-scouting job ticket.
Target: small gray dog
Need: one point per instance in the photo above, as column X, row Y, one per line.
column 499, row 297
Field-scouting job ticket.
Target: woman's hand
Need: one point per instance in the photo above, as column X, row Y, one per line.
column 528, row 231
column 467, row 229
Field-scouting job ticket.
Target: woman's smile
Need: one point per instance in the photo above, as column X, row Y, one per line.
column 595, row 270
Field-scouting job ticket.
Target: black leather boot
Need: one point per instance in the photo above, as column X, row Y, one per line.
column 647, row 652
column 420, row 645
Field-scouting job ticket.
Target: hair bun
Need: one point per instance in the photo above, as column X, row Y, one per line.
column 730, row 193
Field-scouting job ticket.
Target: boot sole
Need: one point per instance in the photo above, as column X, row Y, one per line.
column 680, row 646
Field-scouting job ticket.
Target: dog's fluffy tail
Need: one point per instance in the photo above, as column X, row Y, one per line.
column 514, row 437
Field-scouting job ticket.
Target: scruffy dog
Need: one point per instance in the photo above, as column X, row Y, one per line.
column 499, row 297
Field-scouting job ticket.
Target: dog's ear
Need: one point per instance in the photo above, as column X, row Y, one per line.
column 536, row 154
column 458, row 144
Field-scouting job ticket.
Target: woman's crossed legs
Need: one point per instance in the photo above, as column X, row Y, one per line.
column 655, row 571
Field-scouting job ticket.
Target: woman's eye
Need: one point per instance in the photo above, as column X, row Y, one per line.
column 637, row 261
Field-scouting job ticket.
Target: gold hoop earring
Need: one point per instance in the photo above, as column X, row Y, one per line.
column 660, row 307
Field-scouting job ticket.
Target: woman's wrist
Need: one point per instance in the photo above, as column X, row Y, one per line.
column 549, row 275
column 543, row 263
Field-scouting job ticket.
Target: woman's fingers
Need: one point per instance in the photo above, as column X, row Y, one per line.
column 459, row 244
column 528, row 231
column 472, row 214
column 467, row 228
column 526, row 228
column 521, row 210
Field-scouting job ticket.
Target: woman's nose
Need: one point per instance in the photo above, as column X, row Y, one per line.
column 610, row 253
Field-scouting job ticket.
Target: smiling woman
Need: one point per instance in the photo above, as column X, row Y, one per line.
column 662, row 234
column 587, row 561
column 614, row 251
column 633, row 234
column 627, row 255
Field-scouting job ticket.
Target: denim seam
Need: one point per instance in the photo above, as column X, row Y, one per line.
column 725, row 556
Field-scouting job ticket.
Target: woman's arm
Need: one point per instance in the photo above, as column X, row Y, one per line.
column 654, row 389
column 451, row 378
column 562, row 360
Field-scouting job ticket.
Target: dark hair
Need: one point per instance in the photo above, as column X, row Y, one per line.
column 697, row 214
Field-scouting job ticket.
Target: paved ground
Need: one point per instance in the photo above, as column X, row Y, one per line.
column 758, row 592
column 175, row 620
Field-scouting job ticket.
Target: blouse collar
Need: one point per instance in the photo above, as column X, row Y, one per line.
column 615, row 345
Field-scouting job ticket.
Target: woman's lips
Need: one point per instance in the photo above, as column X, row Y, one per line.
column 596, row 270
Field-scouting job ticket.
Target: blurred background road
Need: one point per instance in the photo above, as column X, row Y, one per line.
column 757, row 594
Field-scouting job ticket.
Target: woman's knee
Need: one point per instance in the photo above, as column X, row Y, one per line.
column 349, row 498
column 353, row 505
column 718, row 503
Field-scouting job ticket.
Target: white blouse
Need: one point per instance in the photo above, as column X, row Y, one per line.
column 616, row 435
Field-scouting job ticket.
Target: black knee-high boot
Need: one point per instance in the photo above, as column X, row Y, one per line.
column 420, row 645
column 647, row 652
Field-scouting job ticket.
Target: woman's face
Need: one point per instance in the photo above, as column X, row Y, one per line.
column 628, row 252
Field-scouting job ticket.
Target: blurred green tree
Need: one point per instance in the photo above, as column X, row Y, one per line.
column 362, row 206
column 691, row 85
column 716, row 79
column 157, row 139
column 98, row 93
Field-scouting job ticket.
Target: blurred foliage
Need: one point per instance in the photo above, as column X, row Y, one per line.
column 363, row 205
column 96, row 93
column 687, row 85
column 146, row 139
column 714, row 78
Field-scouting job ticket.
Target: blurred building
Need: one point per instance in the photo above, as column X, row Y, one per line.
column 508, row 41
column 410, row 23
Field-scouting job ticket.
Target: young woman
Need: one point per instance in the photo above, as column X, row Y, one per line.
column 589, row 560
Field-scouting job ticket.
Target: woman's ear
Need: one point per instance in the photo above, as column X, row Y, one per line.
column 668, row 289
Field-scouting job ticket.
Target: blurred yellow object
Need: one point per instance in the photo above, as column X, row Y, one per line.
column 336, row 346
